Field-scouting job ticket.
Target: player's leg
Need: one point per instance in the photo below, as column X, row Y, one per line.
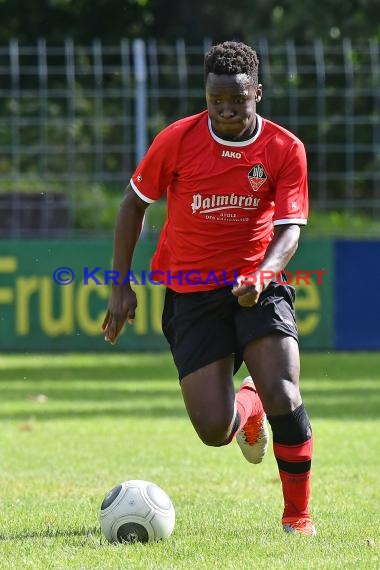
column 201, row 332
column 267, row 336
column 216, row 413
column 274, row 359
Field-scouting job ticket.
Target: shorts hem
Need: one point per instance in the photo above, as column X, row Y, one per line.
column 268, row 332
column 185, row 371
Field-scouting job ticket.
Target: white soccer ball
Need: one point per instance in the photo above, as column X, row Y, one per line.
column 137, row 511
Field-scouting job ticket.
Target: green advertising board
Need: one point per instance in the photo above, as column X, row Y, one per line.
column 312, row 270
column 37, row 314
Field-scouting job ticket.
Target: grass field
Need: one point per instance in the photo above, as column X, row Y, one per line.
column 73, row 426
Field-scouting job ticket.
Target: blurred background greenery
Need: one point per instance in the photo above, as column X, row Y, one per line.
column 68, row 98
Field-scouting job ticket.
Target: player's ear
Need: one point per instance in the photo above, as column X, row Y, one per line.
column 259, row 93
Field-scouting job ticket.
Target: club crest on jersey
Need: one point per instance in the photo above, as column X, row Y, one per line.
column 257, row 176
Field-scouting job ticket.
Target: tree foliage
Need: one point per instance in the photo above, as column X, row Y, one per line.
column 166, row 20
column 80, row 136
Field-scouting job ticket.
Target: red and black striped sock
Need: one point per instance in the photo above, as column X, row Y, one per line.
column 293, row 447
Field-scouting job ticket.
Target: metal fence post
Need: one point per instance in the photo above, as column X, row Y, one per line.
column 375, row 68
column 71, row 158
column 98, row 99
column 349, row 124
column 43, row 112
column 154, row 78
column 320, row 72
column 140, row 105
column 15, row 105
column 43, row 103
column 126, row 98
column 182, row 75
column 140, row 98
column 291, row 57
column 265, row 75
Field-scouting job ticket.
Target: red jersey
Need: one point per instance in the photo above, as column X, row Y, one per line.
column 223, row 199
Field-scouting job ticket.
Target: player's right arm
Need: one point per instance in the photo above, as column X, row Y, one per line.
column 150, row 180
column 123, row 302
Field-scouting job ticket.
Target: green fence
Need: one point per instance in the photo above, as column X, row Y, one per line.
column 37, row 314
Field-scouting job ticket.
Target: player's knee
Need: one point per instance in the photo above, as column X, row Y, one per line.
column 214, row 434
column 284, row 399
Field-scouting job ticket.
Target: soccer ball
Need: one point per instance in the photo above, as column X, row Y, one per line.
column 137, row 511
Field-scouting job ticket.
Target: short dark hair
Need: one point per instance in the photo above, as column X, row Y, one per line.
column 231, row 58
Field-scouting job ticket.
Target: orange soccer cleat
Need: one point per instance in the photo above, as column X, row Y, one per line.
column 296, row 525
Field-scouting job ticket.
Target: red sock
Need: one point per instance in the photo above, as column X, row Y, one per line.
column 248, row 404
column 296, row 479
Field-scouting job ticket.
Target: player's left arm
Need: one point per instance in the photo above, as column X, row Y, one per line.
column 291, row 210
column 280, row 251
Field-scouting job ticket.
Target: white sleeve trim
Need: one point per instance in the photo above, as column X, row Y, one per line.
column 139, row 194
column 298, row 221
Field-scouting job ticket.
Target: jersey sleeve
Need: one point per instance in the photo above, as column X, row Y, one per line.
column 154, row 173
column 291, row 196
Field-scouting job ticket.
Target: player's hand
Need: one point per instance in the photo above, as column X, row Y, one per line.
column 121, row 308
column 248, row 294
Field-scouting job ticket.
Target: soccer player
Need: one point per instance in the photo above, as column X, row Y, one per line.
column 236, row 186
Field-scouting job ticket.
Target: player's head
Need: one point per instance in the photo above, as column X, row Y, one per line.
column 232, row 58
column 232, row 89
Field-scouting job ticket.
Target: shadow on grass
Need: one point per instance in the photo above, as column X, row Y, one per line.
column 343, row 404
column 338, row 402
column 51, row 533
column 114, row 412
column 136, row 397
column 90, row 373
column 93, row 393
column 333, row 386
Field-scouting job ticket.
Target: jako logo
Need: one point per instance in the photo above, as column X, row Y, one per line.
column 231, row 154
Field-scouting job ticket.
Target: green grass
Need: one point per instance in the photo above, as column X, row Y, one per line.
column 108, row 418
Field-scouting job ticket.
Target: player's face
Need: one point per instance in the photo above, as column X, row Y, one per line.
column 231, row 104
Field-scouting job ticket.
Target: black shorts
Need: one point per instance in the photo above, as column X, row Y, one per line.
column 203, row 327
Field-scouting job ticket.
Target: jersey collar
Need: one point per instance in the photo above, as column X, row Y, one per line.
column 256, row 134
